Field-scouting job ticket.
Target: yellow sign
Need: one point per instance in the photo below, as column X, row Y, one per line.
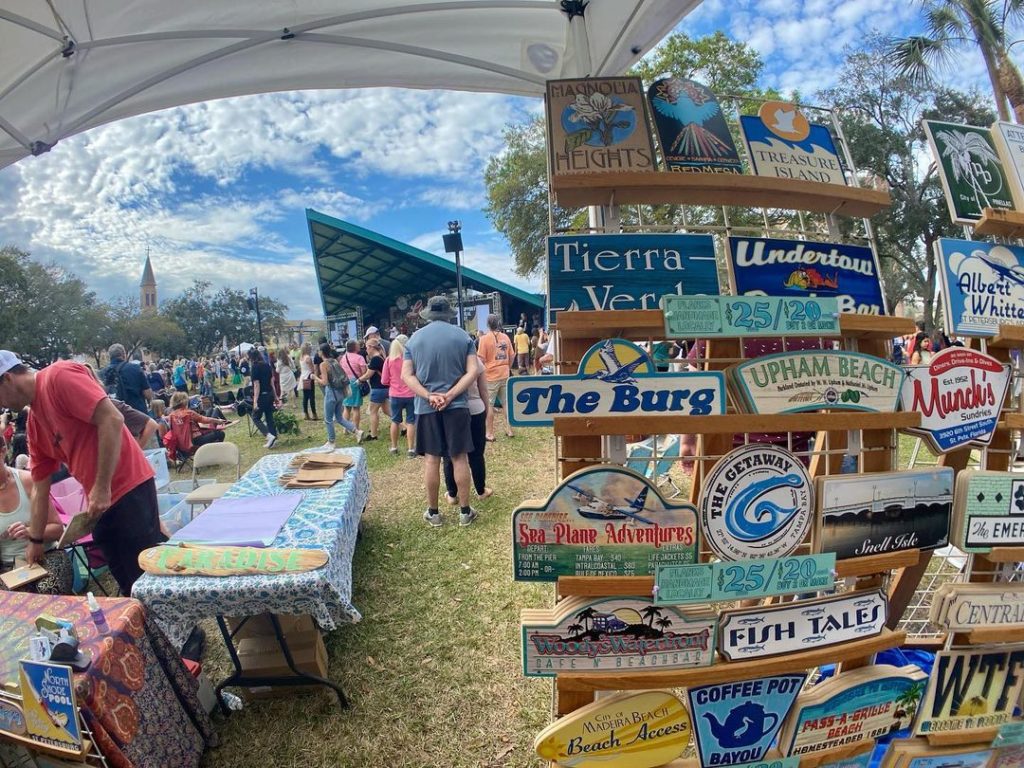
column 168, row 560
column 626, row 730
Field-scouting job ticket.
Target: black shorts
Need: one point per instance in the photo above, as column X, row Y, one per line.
column 443, row 433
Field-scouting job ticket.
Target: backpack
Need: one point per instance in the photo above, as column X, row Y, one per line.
column 336, row 377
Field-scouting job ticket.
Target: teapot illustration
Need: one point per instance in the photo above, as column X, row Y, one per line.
column 745, row 725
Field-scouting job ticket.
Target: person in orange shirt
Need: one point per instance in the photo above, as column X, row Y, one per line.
column 495, row 349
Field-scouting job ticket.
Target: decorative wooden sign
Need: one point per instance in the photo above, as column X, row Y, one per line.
column 959, row 395
column 598, row 124
column 812, row 380
column 196, row 560
column 763, row 631
column 615, row 378
column 744, row 579
column 883, row 512
column 48, row 701
column 756, row 503
column 624, row 730
column 760, row 266
column 918, row 753
column 782, row 143
column 972, row 688
column 1010, row 735
column 692, row 130
column 601, row 521
column 1007, row 757
column 860, row 705
column 972, row 175
column 982, row 285
column 736, row 723
column 1009, row 141
column 619, row 633
column 627, row 271
column 862, row 760
column 732, row 316
column 988, row 511
column 12, row 719
column 961, row 607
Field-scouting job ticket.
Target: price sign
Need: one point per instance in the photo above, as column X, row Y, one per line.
column 730, row 316
column 743, row 579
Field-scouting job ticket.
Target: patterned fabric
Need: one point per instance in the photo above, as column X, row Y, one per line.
column 136, row 697
column 326, row 518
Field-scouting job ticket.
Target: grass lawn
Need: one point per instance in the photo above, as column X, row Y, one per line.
column 433, row 670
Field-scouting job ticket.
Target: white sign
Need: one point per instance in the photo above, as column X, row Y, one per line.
column 1009, row 141
column 963, row 607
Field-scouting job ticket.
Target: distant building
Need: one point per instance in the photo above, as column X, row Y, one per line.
column 147, row 288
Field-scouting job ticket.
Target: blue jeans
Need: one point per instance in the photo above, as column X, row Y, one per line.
column 333, row 413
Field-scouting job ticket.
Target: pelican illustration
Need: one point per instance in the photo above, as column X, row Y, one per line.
column 615, row 372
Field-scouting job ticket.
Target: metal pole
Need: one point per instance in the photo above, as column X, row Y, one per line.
column 458, row 287
column 259, row 318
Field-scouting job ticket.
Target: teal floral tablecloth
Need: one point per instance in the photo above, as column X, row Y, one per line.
column 327, row 518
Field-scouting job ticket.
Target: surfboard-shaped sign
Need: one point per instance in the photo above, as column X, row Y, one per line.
column 167, row 560
column 692, row 130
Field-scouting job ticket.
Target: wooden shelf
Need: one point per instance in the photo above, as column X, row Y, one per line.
column 999, row 222
column 983, row 635
column 869, row 564
column 1005, row 555
column 874, row 326
column 46, row 749
column 632, row 324
column 606, row 586
column 1011, row 421
column 732, row 423
column 962, row 736
column 653, row 187
column 725, row 672
column 1009, row 337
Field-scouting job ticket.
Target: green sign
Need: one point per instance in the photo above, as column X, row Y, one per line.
column 739, row 580
column 973, row 177
column 730, row 316
column 1010, row 735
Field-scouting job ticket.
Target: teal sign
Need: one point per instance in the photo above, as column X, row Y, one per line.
column 731, row 316
column 678, row 584
column 1010, row 735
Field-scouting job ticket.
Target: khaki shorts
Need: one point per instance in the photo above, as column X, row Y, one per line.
column 495, row 388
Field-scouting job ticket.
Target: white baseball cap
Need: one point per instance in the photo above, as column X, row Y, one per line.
column 372, row 329
column 7, row 361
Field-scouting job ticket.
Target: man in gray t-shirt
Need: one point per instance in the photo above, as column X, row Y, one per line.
column 439, row 365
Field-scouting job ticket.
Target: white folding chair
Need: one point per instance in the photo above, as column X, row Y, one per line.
column 212, row 455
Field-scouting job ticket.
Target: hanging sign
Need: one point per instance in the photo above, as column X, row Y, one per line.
column 624, row 730
column 1009, row 141
column 692, row 130
column 760, row 266
column 744, row 579
column 959, row 395
column 855, row 706
column 615, row 378
column 972, row 175
column 731, row 316
column 961, row 607
column 601, row 521
column 598, row 124
column 48, row 698
column 584, row 635
column 812, row 380
column 783, row 144
column 988, row 511
column 756, row 503
column 736, row 723
column 982, row 285
column 973, row 688
column 627, row 271
column 12, row 719
column 752, row 633
column 882, row 512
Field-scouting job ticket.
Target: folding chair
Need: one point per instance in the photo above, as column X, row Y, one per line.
column 212, row 455
column 641, row 459
column 69, row 499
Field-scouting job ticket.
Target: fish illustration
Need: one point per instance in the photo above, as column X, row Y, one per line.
column 813, row 612
column 814, row 639
column 865, row 628
column 758, row 620
column 752, row 648
column 863, row 602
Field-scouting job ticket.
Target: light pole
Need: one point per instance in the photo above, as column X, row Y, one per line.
column 453, row 244
column 254, row 304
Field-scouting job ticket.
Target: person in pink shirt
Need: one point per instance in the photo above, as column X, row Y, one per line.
column 400, row 397
column 353, row 365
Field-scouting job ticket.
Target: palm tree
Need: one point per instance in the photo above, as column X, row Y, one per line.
column 963, row 148
column 664, row 623
column 651, row 612
column 951, row 22
column 575, row 629
column 585, row 616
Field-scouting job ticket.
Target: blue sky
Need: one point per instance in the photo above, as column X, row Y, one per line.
column 217, row 190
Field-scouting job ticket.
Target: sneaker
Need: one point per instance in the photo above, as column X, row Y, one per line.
column 271, row 440
column 359, row 436
column 328, row 446
column 368, row 438
column 467, row 518
column 411, row 454
column 393, row 451
column 434, row 521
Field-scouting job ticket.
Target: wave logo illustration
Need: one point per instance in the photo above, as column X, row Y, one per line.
column 748, row 519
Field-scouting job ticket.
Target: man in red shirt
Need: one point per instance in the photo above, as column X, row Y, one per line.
column 73, row 422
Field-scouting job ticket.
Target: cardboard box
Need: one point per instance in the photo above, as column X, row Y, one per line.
column 262, row 656
column 260, row 626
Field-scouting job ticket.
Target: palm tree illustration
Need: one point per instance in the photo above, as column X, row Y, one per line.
column 966, row 151
column 574, row 629
column 664, row 623
column 585, row 616
column 650, row 613
column 906, row 702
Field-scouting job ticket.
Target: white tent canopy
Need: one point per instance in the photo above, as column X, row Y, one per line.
column 70, row 65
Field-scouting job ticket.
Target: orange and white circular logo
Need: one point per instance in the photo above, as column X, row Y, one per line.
column 784, row 120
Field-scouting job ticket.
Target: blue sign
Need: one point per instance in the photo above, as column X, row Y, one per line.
column 781, row 143
column 627, row 271
column 982, row 286
column 615, row 378
column 771, row 267
column 737, row 722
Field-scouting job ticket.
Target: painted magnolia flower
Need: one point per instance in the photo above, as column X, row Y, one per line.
column 598, row 112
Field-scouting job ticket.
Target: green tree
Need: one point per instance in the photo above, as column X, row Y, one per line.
column 982, row 23
column 151, row 331
column 206, row 317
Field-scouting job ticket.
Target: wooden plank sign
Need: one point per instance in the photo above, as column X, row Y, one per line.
column 736, row 723
column 752, row 633
column 194, row 560
column 601, row 521
column 988, row 511
column 812, row 380
column 624, row 730
column 972, row 688
column 615, row 634
column 959, row 395
column 703, row 317
column 615, row 378
column 756, row 502
column 883, row 512
column 12, row 719
column 961, row 607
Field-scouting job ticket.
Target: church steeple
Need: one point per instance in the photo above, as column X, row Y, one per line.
column 147, row 288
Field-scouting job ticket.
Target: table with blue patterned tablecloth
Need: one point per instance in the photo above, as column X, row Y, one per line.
column 327, row 518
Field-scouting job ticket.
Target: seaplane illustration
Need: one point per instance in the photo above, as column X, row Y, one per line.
column 1014, row 274
column 595, row 508
column 614, row 371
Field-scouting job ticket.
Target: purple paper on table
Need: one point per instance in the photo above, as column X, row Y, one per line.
column 253, row 521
